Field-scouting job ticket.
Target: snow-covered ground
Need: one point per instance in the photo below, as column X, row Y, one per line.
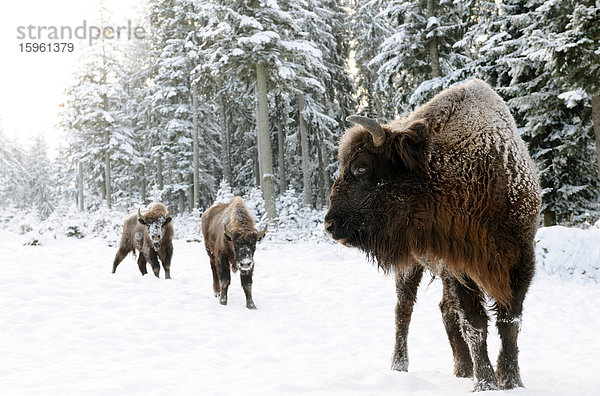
column 324, row 324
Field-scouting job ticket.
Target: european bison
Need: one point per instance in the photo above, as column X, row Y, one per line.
column 451, row 188
column 230, row 239
column 151, row 234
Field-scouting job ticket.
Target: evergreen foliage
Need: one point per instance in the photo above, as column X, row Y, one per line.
column 136, row 110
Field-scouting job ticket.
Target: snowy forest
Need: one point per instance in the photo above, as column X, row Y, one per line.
column 249, row 97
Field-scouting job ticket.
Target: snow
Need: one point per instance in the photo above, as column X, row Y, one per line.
column 324, row 324
column 572, row 98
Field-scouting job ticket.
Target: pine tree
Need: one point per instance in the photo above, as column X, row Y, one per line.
column 556, row 124
column 369, row 26
column 421, row 57
column 572, row 41
column 256, row 44
column 13, row 180
column 93, row 117
column 40, row 177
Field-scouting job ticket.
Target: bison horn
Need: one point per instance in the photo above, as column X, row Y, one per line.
column 262, row 233
column 169, row 213
column 141, row 216
column 370, row 125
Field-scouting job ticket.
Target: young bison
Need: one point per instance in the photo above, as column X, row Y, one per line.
column 230, row 239
column 452, row 189
column 151, row 234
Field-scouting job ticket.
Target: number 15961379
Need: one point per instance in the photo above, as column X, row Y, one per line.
column 47, row 47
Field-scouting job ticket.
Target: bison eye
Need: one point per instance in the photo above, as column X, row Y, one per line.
column 360, row 170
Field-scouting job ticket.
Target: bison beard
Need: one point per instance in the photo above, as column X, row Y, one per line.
column 452, row 189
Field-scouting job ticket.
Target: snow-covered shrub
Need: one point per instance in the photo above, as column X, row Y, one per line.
column 296, row 221
column 224, row 194
column 255, row 203
column 187, row 226
column 569, row 253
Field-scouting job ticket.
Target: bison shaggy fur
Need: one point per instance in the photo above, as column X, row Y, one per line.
column 451, row 188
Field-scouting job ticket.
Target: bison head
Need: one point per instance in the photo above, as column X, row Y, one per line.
column 381, row 180
column 244, row 244
column 155, row 226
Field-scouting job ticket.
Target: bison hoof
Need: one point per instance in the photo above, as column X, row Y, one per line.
column 250, row 305
column 510, row 384
column 484, row 385
column 223, row 301
column 400, row 364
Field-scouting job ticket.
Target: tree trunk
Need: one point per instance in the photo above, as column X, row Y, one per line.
column 256, row 169
column 181, row 193
column 107, row 166
column 305, row 153
column 596, row 121
column 326, row 180
column 321, row 179
column 434, row 55
column 143, row 186
column 196, row 183
column 265, row 156
column 549, row 218
column 159, row 172
column 225, row 144
column 281, row 152
column 80, row 185
column 191, row 193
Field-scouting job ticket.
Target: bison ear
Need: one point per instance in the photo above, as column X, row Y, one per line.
column 410, row 146
column 169, row 218
column 227, row 234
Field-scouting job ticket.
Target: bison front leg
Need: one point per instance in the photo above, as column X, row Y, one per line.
column 224, row 278
column 215, row 274
column 407, row 284
column 153, row 258
column 247, row 286
column 166, row 261
column 472, row 319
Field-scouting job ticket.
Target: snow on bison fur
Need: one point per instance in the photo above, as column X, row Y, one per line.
column 451, row 188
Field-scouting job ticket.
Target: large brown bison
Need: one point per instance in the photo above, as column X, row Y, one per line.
column 230, row 239
column 451, row 188
column 151, row 234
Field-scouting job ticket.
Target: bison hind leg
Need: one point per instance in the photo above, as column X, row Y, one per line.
column 508, row 322
column 121, row 254
column 142, row 264
column 463, row 364
column 472, row 320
